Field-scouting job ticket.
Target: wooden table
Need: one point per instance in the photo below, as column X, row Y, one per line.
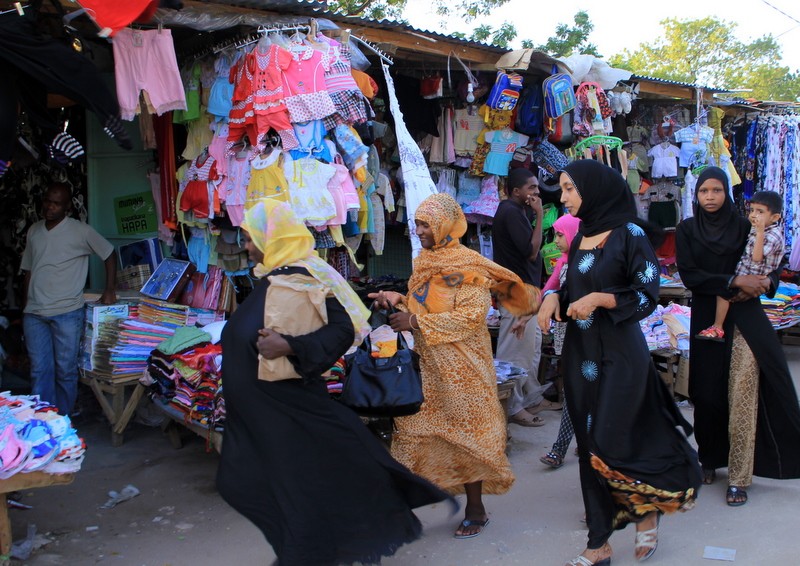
column 667, row 360
column 112, row 393
column 177, row 420
column 20, row 482
column 679, row 295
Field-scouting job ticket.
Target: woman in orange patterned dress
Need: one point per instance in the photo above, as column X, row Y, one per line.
column 458, row 439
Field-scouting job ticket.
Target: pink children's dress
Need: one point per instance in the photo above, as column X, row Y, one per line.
column 304, row 85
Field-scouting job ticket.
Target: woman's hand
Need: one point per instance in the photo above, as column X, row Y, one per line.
column 549, row 309
column 401, row 321
column 386, row 299
column 272, row 345
column 750, row 286
column 583, row 308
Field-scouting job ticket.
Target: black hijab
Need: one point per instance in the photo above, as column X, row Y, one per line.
column 722, row 231
column 607, row 199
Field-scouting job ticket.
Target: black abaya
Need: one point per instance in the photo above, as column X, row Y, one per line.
column 706, row 274
column 303, row 468
column 621, row 410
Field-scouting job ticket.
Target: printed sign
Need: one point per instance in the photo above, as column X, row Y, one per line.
column 135, row 214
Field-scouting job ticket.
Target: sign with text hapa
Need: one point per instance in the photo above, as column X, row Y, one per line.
column 135, row 214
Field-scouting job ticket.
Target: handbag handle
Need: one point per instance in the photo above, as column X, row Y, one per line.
column 401, row 341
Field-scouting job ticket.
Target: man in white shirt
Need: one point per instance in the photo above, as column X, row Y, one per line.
column 55, row 264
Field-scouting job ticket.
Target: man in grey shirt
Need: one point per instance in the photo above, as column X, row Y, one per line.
column 55, row 264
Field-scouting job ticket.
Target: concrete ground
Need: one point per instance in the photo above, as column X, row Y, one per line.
column 179, row 520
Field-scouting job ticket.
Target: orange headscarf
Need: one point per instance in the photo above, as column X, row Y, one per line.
column 438, row 271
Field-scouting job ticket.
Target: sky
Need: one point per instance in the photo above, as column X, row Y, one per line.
column 625, row 25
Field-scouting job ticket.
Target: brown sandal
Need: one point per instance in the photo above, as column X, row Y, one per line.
column 524, row 418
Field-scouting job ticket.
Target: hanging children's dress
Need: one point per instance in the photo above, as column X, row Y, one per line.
column 219, row 101
column 308, row 193
column 311, row 141
column 304, row 85
column 268, row 93
column 195, row 191
column 341, row 86
column 234, row 190
column 267, row 179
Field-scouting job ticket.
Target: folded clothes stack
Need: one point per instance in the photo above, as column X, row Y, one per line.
column 34, row 437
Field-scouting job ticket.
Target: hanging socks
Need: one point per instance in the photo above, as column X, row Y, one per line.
column 115, row 130
column 64, row 148
column 67, row 145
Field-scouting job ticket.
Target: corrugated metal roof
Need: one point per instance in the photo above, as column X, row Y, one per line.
column 320, row 10
column 270, row 4
column 635, row 77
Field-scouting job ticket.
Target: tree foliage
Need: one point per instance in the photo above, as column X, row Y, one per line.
column 469, row 10
column 707, row 52
column 568, row 40
column 501, row 36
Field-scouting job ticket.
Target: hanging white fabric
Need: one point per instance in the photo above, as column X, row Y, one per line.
column 417, row 181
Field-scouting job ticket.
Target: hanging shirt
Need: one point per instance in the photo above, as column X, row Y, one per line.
column 308, row 190
column 502, row 145
column 694, row 142
column 468, row 125
column 665, row 160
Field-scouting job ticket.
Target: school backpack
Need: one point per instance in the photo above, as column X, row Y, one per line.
column 530, row 117
column 592, row 109
column 559, row 98
column 505, row 92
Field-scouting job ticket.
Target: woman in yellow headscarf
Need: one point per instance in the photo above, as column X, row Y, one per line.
column 302, row 467
column 458, row 438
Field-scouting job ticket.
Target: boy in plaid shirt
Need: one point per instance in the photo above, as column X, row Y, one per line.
column 762, row 255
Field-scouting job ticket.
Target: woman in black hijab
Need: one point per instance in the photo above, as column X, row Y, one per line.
column 733, row 383
column 635, row 464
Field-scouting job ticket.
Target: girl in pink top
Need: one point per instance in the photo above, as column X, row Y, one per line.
column 565, row 228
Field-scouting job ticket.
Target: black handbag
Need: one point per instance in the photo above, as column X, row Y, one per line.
column 382, row 387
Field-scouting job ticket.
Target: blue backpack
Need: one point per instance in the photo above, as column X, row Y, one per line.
column 530, row 108
column 505, row 92
column 559, row 96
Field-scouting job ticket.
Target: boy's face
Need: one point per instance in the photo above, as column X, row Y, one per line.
column 760, row 215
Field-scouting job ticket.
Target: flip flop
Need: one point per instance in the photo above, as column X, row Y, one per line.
column 735, row 493
column 522, row 421
column 466, row 523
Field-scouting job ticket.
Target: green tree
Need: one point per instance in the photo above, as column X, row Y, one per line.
column 707, row 52
column 568, row 40
column 379, row 9
column 501, row 36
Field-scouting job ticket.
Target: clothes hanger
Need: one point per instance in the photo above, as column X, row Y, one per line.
column 264, row 42
column 612, row 142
